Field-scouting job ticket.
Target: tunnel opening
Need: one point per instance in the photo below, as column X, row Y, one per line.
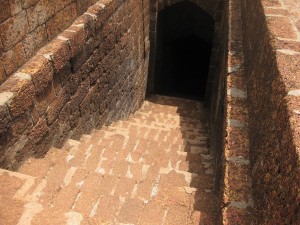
column 183, row 49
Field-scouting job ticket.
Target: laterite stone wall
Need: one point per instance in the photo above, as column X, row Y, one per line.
column 91, row 74
column 27, row 25
column 272, row 66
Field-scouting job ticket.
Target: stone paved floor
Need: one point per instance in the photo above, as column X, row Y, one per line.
column 154, row 168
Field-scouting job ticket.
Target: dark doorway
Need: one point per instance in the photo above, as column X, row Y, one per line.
column 183, row 49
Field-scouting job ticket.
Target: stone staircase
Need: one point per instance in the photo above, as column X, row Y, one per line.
column 153, row 168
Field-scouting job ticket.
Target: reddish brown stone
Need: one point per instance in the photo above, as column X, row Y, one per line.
column 42, row 102
column 13, row 58
column 60, row 21
column 125, row 187
column 21, row 125
column 281, row 27
column 82, row 6
column 22, row 87
column 39, row 13
column 272, row 3
column 2, row 73
column 41, row 71
column 13, row 30
column 108, row 184
column 5, row 119
column 88, row 23
column 236, row 216
column 131, row 211
column 54, row 108
column 107, row 209
column 35, row 40
column 59, row 52
column 27, row 3
column 153, row 213
column 39, row 131
column 5, row 12
column 76, row 38
column 15, row 6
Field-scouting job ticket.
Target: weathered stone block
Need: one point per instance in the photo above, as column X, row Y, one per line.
column 35, row 40
column 61, row 20
column 55, row 107
column 13, row 58
column 39, row 13
column 20, row 125
column 64, row 114
column 75, row 37
column 42, row 102
column 88, row 22
column 14, row 30
column 23, row 93
column 5, row 12
column 15, row 6
column 61, row 78
column 82, row 6
column 39, row 131
column 41, row 71
column 2, row 73
column 27, row 3
column 80, row 94
column 4, row 117
column 58, row 51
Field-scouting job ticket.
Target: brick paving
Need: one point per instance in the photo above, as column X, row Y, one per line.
column 153, row 168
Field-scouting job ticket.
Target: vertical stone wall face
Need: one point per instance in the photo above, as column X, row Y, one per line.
column 271, row 47
column 93, row 73
column 27, row 25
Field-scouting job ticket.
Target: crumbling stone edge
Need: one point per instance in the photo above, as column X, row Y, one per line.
column 236, row 188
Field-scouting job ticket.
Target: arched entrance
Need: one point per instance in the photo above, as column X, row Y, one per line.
column 184, row 34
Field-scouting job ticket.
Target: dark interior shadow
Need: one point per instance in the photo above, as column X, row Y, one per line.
column 184, row 43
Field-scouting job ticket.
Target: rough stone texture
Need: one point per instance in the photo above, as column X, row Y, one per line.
column 31, row 24
column 272, row 70
column 93, row 73
column 135, row 171
column 92, row 70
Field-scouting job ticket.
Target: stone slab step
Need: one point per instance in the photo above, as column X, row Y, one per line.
column 164, row 127
column 172, row 104
column 152, row 133
column 14, row 196
column 167, row 121
column 39, row 167
column 153, row 166
column 69, row 190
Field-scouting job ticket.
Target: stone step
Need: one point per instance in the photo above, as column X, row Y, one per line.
column 71, row 191
column 171, row 104
column 148, row 169
column 160, row 112
column 119, row 146
column 109, row 197
column 175, row 113
column 165, row 120
column 191, row 137
column 39, row 167
column 14, row 196
column 159, row 127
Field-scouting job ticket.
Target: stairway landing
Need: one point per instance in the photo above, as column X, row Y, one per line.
column 153, row 168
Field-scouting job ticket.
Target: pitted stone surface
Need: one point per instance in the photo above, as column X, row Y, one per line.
column 154, row 168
